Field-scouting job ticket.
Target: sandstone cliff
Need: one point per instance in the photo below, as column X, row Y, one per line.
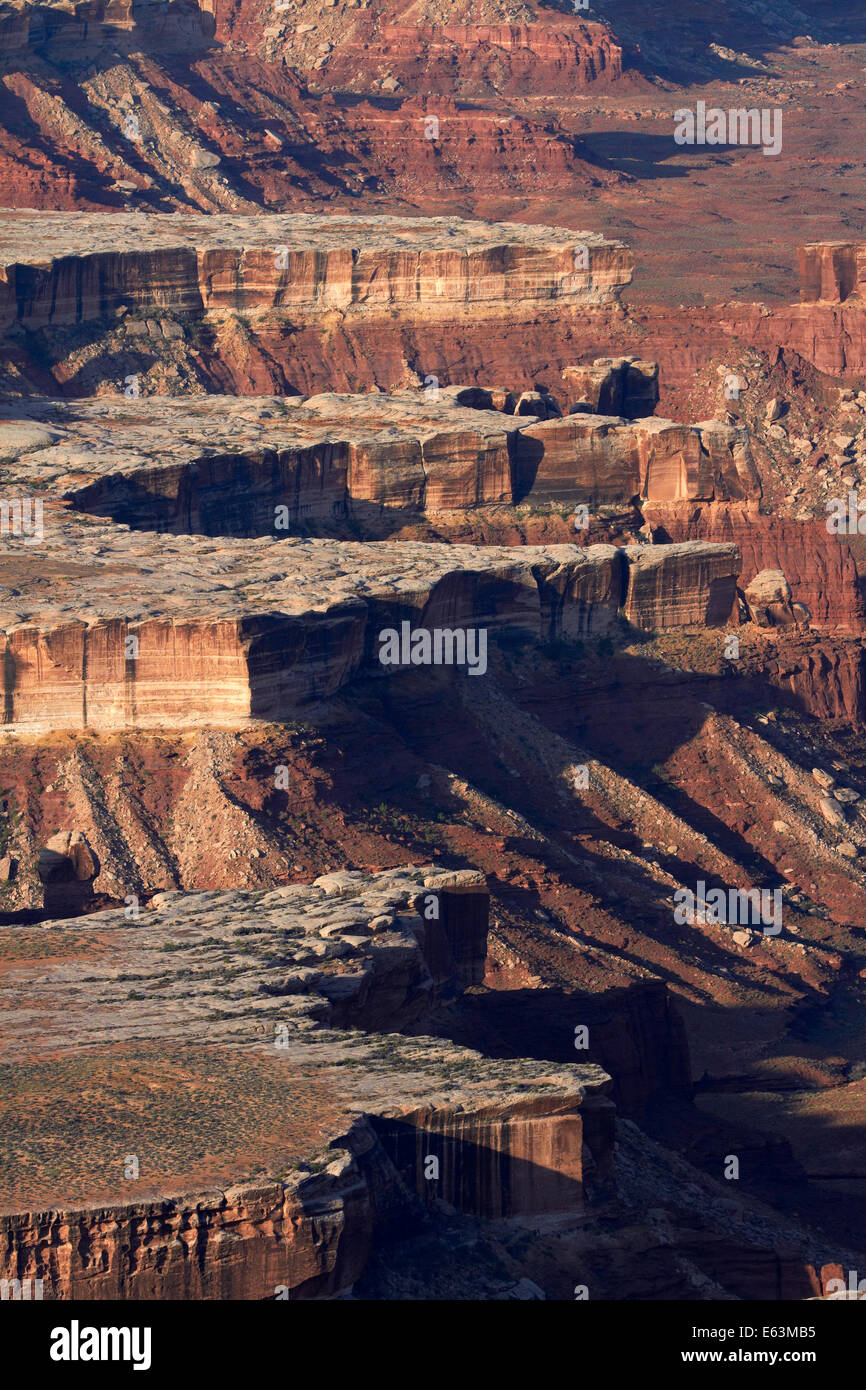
column 556, row 55
column 297, row 263
column 831, row 272
column 515, row 1139
column 819, row 567
column 300, row 637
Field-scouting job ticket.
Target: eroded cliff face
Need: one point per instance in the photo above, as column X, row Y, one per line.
column 494, row 1165
column 298, row 263
column 381, row 1136
column 105, row 103
column 831, row 272
column 277, row 298
column 311, row 1237
column 819, row 567
column 258, row 1240
column 304, row 303
column 503, row 1143
column 333, row 463
column 613, row 755
column 557, row 55
column 602, row 461
column 86, row 25
column 671, row 587
column 174, row 644
column 182, row 670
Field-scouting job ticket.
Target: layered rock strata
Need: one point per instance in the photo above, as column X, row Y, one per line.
column 819, row 567
column 558, row 56
column 615, row 386
column 138, row 628
column 669, row 588
column 831, row 272
column 214, row 467
column 87, row 267
column 143, row 630
column 359, row 1113
column 246, row 304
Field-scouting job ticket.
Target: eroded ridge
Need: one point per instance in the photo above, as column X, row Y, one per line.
column 149, row 630
column 216, row 466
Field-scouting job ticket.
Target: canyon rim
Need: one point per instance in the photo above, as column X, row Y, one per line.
column 433, row 635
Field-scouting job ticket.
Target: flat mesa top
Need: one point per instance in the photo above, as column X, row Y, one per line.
column 31, row 236
column 223, row 1063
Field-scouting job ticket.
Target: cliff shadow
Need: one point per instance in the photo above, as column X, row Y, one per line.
column 103, row 366
column 494, row 1180
column 679, row 51
column 633, row 1032
column 64, row 38
column 641, row 155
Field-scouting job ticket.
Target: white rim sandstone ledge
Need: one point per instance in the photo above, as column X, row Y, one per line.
column 307, row 619
column 86, row 266
column 378, row 962
column 216, row 466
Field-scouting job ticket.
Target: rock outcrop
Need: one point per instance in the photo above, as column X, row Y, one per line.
column 768, row 600
column 276, row 466
column 298, row 263
column 680, row 585
column 174, row 643
column 615, row 386
column 602, row 461
column 559, row 54
column 172, row 658
column 351, row 949
column 67, row 867
column 818, row 566
column 831, row 272
column 431, row 1119
column 312, row 616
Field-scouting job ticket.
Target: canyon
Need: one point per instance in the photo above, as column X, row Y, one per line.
column 377, row 1132
column 331, row 977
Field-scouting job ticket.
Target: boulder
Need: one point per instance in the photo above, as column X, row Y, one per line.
column 66, row 856
column 769, row 601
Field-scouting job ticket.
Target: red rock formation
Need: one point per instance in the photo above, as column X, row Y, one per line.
column 507, row 1141
column 831, row 272
column 310, row 1236
column 615, row 386
column 335, row 458
column 818, row 566
column 300, row 265
column 680, row 585
column 293, row 348
column 74, row 75
column 531, row 1160
column 557, row 55
column 190, row 670
column 828, row 679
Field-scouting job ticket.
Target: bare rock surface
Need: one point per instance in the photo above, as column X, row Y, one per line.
column 84, row 266
column 228, row 992
column 105, row 626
